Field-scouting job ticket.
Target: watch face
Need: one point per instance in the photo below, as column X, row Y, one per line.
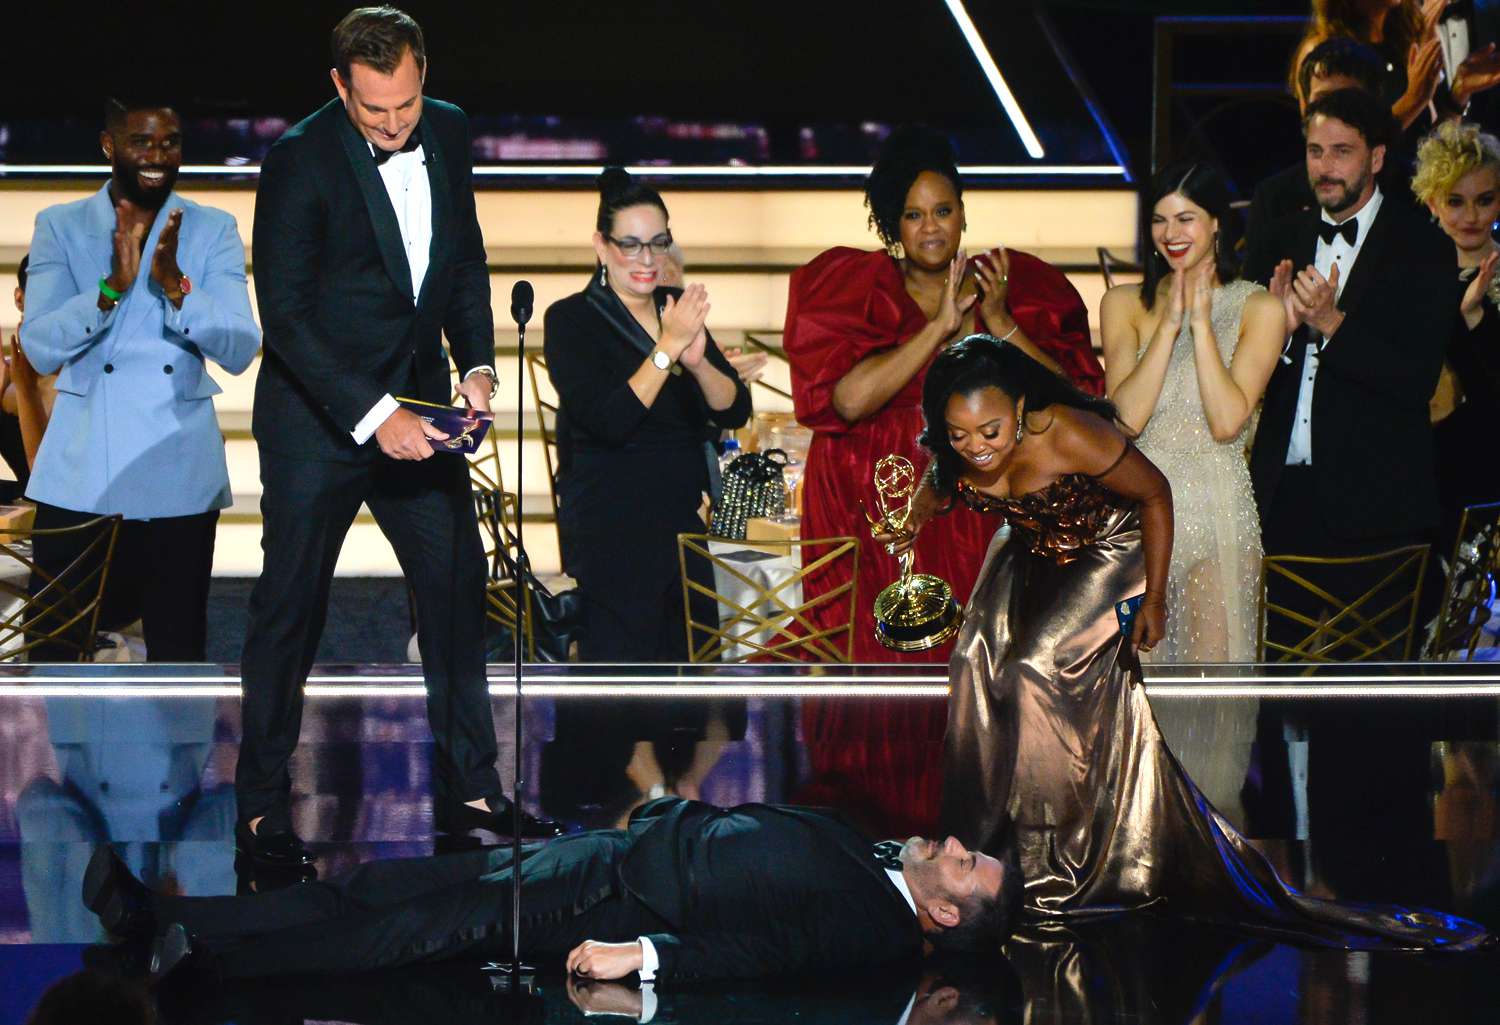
column 661, row 359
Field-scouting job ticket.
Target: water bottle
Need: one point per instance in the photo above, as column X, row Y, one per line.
column 730, row 453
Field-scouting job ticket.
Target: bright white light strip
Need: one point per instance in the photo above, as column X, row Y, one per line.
column 577, row 171
column 669, row 687
column 997, row 81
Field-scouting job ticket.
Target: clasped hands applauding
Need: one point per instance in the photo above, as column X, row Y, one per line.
column 132, row 224
column 684, row 338
column 1309, row 297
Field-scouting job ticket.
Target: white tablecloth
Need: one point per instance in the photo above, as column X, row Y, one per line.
column 766, row 570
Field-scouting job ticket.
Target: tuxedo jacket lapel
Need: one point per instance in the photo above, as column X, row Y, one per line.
column 1370, row 253
column 625, row 326
column 442, row 208
column 378, row 203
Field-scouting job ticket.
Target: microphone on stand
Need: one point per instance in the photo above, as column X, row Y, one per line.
column 522, row 297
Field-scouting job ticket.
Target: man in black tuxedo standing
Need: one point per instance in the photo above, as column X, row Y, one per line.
column 687, row 893
column 367, row 252
column 1342, row 463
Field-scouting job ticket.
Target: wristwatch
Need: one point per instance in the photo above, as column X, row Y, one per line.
column 494, row 381
column 660, row 360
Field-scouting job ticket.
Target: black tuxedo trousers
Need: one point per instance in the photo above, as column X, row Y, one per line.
column 426, row 512
column 396, row 912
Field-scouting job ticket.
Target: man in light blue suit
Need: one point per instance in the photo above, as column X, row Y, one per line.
column 130, row 291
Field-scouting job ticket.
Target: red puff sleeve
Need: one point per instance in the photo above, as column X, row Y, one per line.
column 841, row 307
column 1051, row 312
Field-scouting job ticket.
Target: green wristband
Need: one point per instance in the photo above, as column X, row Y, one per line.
column 109, row 293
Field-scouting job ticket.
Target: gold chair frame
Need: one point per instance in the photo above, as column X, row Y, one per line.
column 835, row 644
column 78, row 602
column 1353, row 621
column 774, row 352
column 1471, row 584
column 536, row 361
column 503, row 592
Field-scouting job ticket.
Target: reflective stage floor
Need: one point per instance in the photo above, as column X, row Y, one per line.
column 1388, row 790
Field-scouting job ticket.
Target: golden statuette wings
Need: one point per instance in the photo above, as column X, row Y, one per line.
column 918, row 610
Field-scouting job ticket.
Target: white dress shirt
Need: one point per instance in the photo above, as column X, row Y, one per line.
column 1299, row 451
column 405, row 178
column 1453, row 41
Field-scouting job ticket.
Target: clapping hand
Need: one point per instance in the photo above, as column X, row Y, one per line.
column 1280, row 286
column 993, row 271
column 129, row 236
column 1424, row 65
column 1198, row 283
column 748, row 366
column 1472, row 306
column 951, row 309
column 164, row 269
column 1313, row 298
column 682, row 321
column 1479, row 71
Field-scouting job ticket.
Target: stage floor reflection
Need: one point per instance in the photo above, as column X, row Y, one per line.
column 1369, row 783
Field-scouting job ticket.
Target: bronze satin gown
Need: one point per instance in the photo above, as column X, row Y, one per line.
column 1046, row 731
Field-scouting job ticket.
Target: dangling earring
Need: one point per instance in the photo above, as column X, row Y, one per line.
column 1216, row 247
column 1020, row 425
column 603, row 276
column 896, row 250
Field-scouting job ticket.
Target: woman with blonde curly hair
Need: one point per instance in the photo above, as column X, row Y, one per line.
column 1458, row 178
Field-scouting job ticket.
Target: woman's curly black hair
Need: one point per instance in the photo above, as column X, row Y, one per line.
column 907, row 152
column 983, row 361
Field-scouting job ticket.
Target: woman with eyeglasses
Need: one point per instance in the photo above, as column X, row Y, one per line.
column 642, row 391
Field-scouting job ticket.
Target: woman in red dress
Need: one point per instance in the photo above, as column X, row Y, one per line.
column 861, row 329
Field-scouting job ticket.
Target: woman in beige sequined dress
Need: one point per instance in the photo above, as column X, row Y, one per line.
column 1188, row 354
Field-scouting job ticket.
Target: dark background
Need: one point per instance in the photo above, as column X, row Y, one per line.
column 798, row 80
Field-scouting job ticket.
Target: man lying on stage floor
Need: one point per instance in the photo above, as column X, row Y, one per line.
column 688, row 892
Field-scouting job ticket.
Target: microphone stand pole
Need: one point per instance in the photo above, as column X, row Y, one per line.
column 523, row 607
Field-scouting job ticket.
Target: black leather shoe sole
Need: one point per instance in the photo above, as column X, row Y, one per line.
column 272, row 850
column 501, row 822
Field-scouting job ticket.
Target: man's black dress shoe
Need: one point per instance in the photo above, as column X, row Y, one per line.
column 271, row 848
column 122, row 902
column 462, row 818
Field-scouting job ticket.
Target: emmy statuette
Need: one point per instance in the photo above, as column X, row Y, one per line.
column 917, row 611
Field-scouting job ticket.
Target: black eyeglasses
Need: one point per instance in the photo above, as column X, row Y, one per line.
column 631, row 247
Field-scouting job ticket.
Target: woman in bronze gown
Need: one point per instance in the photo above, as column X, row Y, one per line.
column 1047, row 734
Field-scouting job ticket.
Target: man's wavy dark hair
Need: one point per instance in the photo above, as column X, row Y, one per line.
column 377, row 37
column 986, row 920
column 983, row 361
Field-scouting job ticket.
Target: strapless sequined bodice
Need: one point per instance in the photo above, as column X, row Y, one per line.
column 1058, row 520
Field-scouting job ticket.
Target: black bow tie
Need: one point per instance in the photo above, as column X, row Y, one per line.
column 888, row 854
column 412, row 142
column 1349, row 229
